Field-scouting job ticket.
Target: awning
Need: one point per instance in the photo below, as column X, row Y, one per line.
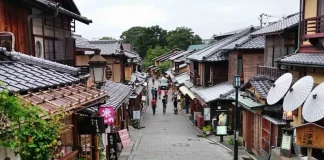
column 184, row 90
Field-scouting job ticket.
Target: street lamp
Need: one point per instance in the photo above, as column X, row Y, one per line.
column 97, row 65
column 288, row 117
column 136, row 82
column 237, row 85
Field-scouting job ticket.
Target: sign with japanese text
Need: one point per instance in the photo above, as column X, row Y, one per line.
column 221, row 125
column 128, row 73
column 136, row 114
column 124, row 138
column 207, row 114
column 108, row 113
column 90, row 125
column 112, row 146
column 310, row 135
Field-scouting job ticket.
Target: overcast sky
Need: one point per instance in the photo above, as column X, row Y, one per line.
column 205, row 17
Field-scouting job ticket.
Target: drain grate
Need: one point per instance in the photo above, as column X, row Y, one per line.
column 181, row 145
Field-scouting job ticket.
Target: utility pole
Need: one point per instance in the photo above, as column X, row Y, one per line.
column 261, row 18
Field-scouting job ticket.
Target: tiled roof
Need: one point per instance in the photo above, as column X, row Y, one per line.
column 168, row 54
column 180, row 66
column 182, row 78
column 279, row 26
column 303, row 59
column 232, row 32
column 254, row 43
column 209, row 94
column 65, row 11
column 141, row 77
column 117, row 92
column 260, row 84
column 168, row 72
column 65, row 98
column 215, row 47
column 196, row 47
column 188, row 84
column 20, row 76
column 83, row 44
column 218, row 56
column 108, row 47
column 130, row 54
column 184, row 53
column 136, row 92
column 238, row 42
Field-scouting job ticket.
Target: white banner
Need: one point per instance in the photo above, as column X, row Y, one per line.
column 136, row 114
column 207, row 114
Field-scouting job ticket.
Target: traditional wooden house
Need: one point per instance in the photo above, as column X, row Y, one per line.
column 308, row 57
column 52, row 87
column 41, row 28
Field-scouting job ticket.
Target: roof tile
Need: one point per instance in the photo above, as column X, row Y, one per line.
column 304, row 58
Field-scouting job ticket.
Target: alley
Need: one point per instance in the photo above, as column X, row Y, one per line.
column 173, row 137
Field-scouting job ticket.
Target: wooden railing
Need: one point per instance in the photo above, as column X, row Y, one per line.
column 313, row 27
column 271, row 73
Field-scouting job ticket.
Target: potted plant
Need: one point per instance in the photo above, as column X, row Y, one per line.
column 207, row 129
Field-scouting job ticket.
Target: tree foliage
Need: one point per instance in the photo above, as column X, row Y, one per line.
column 107, row 38
column 164, row 66
column 152, row 53
column 29, row 135
column 182, row 37
column 142, row 38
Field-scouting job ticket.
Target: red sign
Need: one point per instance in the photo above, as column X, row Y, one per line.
column 124, row 138
column 108, row 112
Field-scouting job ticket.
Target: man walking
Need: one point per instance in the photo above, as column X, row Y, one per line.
column 155, row 93
column 153, row 103
column 166, row 93
column 186, row 100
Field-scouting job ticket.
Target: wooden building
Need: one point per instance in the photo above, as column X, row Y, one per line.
column 41, row 28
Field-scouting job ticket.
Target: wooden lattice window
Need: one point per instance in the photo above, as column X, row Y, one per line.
column 108, row 73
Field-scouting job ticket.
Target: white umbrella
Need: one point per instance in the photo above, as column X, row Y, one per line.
column 279, row 88
column 313, row 109
column 298, row 93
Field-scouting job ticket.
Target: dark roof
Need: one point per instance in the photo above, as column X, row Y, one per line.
column 137, row 91
column 212, row 49
column 289, row 22
column 209, row 94
column 62, row 10
column 67, row 98
column 117, row 92
column 253, row 43
column 303, row 59
column 130, row 54
column 260, row 84
column 108, row 47
column 182, row 54
column 83, row 44
column 20, row 72
column 218, row 56
column 236, row 43
column 232, row 32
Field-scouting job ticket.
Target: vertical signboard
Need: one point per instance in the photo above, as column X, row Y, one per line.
column 108, row 113
column 221, row 125
column 136, row 114
column 124, row 138
column 112, row 146
column 128, row 73
column 207, row 114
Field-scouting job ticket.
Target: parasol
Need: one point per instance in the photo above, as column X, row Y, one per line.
column 313, row 109
column 298, row 93
column 279, row 88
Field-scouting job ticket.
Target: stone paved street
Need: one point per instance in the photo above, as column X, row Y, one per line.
column 173, row 137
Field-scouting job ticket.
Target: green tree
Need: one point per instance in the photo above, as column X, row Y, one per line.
column 142, row 38
column 107, row 38
column 164, row 66
column 29, row 135
column 152, row 53
column 182, row 37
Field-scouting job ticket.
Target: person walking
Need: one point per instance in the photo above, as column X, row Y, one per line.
column 155, row 93
column 166, row 93
column 186, row 100
column 152, row 91
column 153, row 104
column 175, row 103
column 159, row 92
column 164, row 102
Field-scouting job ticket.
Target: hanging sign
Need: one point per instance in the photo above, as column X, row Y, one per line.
column 128, row 73
column 108, row 113
column 136, row 114
column 112, row 146
column 124, row 138
column 90, row 125
column 310, row 135
column 207, row 114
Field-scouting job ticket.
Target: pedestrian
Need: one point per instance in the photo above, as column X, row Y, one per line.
column 153, row 79
column 186, row 100
column 166, row 93
column 159, row 92
column 175, row 101
column 164, row 103
column 155, row 93
column 153, row 103
column 152, row 91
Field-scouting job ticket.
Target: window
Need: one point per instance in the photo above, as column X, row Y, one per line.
column 108, row 73
column 38, row 49
column 49, row 49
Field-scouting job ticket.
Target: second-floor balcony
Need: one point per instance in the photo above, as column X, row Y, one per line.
column 313, row 27
column 271, row 73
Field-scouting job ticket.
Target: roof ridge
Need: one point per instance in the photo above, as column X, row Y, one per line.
column 17, row 56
